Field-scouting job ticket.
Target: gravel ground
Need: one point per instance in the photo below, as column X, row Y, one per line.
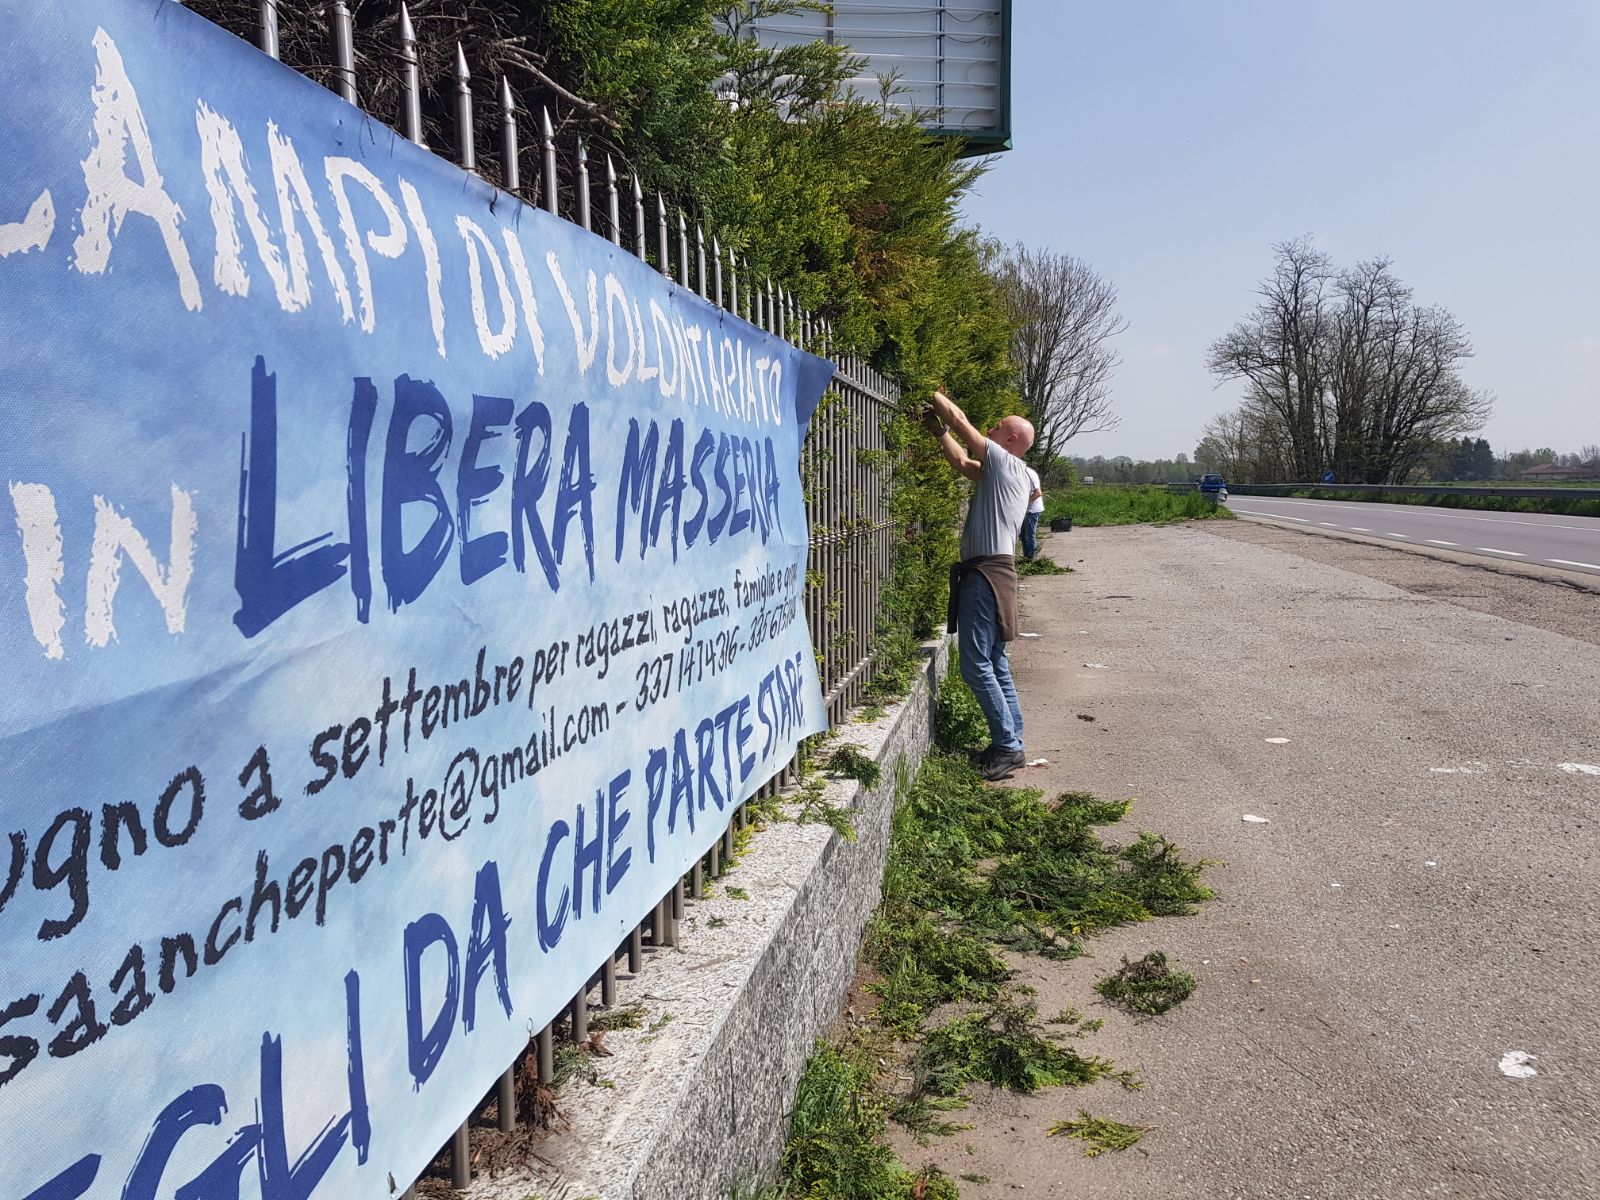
column 1422, row 899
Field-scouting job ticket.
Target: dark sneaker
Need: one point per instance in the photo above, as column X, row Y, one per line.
column 982, row 758
column 1002, row 764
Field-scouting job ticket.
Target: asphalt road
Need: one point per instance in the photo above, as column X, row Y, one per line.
column 1566, row 543
column 1421, row 901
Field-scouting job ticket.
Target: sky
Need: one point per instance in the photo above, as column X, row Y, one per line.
column 1171, row 143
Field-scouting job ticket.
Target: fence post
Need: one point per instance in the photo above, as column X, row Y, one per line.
column 460, row 1159
column 683, row 251
column 269, row 27
column 510, row 168
column 638, row 221
column 464, row 138
column 613, row 212
column 411, row 85
column 700, row 260
column 344, row 53
column 545, row 1042
column 583, row 184
column 663, row 257
column 548, row 147
column 505, row 1093
column 579, row 1009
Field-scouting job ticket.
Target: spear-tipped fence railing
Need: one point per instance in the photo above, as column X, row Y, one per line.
column 844, row 462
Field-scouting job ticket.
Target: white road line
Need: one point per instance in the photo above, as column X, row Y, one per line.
column 1567, row 562
column 1392, row 533
column 1261, row 512
column 1359, row 529
column 1438, row 542
column 1327, row 524
column 1430, row 512
column 1507, row 553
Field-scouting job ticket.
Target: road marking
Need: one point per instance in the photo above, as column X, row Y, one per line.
column 1586, row 523
column 1359, row 529
column 1438, row 542
column 1567, row 562
column 1261, row 512
column 1327, row 524
column 1507, row 553
column 1392, row 533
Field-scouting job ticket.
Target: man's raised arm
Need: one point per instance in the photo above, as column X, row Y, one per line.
column 969, row 434
column 963, row 443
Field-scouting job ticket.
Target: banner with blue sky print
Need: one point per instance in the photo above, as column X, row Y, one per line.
column 399, row 588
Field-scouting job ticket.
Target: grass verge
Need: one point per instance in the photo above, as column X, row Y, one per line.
column 1106, row 505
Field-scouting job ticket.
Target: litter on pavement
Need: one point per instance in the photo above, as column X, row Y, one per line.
column 1579, row 768
column 1277, row 741
column 1252, row 819
column 1514, row 1064
column 1097, row 666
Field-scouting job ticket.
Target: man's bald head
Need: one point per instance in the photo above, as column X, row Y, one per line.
column 1013, row 434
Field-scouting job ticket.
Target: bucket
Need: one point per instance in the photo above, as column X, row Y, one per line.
column 1061, row 525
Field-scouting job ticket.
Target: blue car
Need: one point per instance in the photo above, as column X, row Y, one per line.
column 1212, row 485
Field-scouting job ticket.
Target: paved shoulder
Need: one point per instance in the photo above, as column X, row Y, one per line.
column 1420, row 901
column 1553, row 602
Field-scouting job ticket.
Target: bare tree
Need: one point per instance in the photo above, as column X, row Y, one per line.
column 1394, row 389
column 1066, row 315
column 1247, row 444
column 1278, row 350
column 1351, row 373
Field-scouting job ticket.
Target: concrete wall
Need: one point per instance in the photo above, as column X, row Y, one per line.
column 698, row 1099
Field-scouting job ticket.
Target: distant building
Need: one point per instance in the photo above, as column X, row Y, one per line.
column 950, row 62
column 1550, row 473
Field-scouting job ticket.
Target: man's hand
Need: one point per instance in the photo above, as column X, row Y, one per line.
column 966, row 433
column 931, row 422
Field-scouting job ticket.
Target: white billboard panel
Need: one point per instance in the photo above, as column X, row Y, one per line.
column 950, row 63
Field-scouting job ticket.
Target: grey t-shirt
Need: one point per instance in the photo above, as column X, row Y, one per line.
column 999, row 503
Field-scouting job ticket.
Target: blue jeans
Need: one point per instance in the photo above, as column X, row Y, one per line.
column 1030, row 530
column 983, row 662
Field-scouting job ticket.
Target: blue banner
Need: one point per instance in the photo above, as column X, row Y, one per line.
column 399, row 587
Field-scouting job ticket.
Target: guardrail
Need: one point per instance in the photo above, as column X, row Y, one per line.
column 1309, row 490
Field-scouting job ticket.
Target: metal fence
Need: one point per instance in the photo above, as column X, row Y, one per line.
column 845, row 462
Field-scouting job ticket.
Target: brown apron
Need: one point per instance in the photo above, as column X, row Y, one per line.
column 1001, row 572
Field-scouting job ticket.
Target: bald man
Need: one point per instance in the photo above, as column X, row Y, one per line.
column 983, row 585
